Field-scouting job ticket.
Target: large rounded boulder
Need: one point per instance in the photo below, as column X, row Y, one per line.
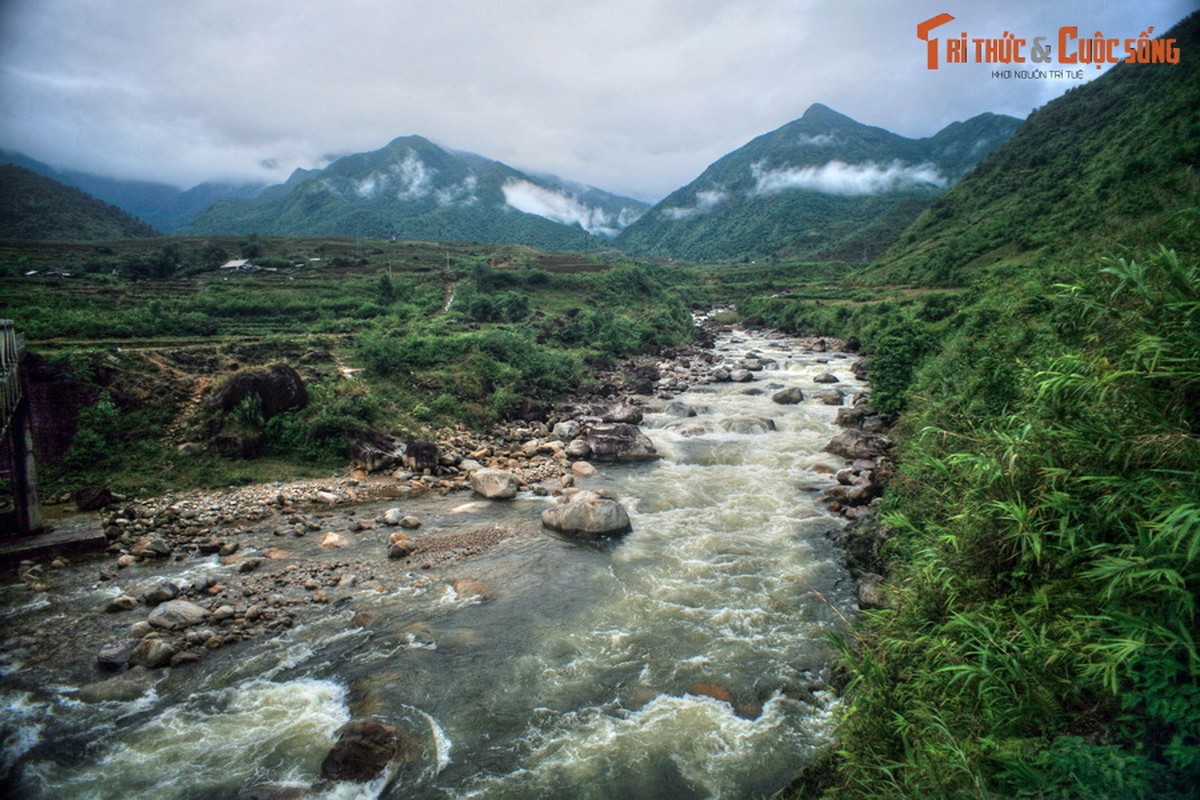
column 494, row 484
column 588, row 514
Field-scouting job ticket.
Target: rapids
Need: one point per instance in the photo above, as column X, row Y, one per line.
column 682, row 661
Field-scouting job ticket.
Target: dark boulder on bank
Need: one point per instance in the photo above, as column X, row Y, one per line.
column 277, row 386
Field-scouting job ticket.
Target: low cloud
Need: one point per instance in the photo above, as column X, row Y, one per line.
column 849, row 180
column 706, row 201
column 558, row 207
column 414, row 178
column 820, row 140
column 462, row 194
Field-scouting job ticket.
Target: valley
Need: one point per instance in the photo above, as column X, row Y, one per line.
column 894, row 452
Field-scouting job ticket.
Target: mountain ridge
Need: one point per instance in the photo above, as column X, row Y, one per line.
column 413, row 188
column 821, row 186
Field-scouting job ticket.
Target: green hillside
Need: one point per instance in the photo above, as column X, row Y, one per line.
column 821, row 187
column 1041, row 539
column 35, row 207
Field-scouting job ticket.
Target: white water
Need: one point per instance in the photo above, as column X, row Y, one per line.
column 585, row 676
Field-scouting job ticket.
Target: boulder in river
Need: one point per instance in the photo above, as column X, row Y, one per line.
column 494, row 484
column 175, row 615
column 400, row 545
column 152, row 653
column 365, row 750
column 114, row 656
column 588, row 513
column 854, row 443
column 788, row 397
column 826, row 377
column 161, row 592
column 831, row 397
column 620, row 442
column 622, row 411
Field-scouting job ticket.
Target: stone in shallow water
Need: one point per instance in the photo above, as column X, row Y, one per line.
column 588, row 513
column 364, row 750
column 175, row 615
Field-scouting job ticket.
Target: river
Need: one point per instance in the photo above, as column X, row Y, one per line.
column 685, row 660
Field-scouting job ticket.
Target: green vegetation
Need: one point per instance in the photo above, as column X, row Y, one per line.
column 1039, row 638
column 401, row 337
column 36, row 207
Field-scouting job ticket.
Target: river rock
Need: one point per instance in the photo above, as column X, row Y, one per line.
column 577, row 448
column 853, row 443
column 92, row 498
column 152, row 653
column 741, row 376
column 400, row 545
column 623, row 411
column 250, row 564
column 410, row 522
column 365, row 749
column 680, row 409
column 588, row 513
column 421, row 455
column 393, row 516
column 332, row 539
column 826, row 377
column 175, row 615
column 870, row 591
column 119, row 603
column 620, row 442
column 161, row 592
column 831, row 397
column 583, row 469
column 852, row 416
column 566, row 431
column 494, row 484
column 114, row 656
column 469, row 587
column 753, row 426
column 788, row 397
column 375, row 452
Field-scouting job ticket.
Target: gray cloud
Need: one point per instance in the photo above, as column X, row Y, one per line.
column 635, row 96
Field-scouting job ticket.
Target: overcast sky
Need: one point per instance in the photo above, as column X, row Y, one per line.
column 633, row 96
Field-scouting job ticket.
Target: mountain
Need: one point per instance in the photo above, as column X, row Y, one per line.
column 1112, row 160
column 33, row 206
column 823, row 186
column 415, row 189
column 167, row 208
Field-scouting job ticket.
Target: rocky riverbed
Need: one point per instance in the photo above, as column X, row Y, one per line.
column 195, row 574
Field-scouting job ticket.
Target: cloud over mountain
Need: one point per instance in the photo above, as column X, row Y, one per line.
column 555, row 205
column 849, row 180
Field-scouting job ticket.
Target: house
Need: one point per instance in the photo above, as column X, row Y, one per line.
column 238, row 263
